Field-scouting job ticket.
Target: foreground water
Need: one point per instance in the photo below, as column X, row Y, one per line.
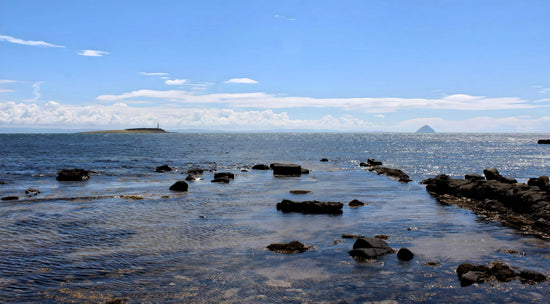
column 95, row 241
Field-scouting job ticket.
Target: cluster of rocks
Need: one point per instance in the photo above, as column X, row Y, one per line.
column 376, row 166
column 469, row 274
column 371, row 248
column 73, row 175
column 288, row 248
column 518, row 205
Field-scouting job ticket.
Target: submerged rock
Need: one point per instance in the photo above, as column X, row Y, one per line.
column 469, row 274
column 356, row 203
column 531, row 277
column 310, row 207
column 192, row 177
column 299, row 192
column 179, row 186
column 393, row 173
column 195, row 171
column 73, row 175
column 286, row 169
column 32, row 192
column 221, row 179
column 163, row 168
column 224, row 174
column 260, row 167
column 292, row 247
column 323, row 160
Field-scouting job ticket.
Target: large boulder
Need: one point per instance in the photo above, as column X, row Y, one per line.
column 286, row 169
column 405, row 254
column 180, row 186
column 369, row 248
column 310, row 207
column 73, row 175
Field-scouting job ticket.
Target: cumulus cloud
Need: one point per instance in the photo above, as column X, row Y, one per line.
column 28, row 42
column 92, row 53
column 241, row 80
column 153, row 74
column 175, row 81
column 370, row 105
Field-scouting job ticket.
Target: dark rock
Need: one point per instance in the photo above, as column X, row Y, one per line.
column 351, row 236
column 72, row 175
column 10, row 198
column 305, row 171
column 493, row 174
column 369, row 248
column 310, row 207
column 405, row 254
column 163, row 168
column 286, row 169
column 260, row 167
column 382, row 236
column 192, row 177
column 356, row 203
column 474, row 177
column 299, row 192
column 393, row 173
column 541, row 182
column 32, row 192
column 195, row 171
column 467, row 267
column 324, row 160
column 531, row 277
column 472, row 277
column 222, row 179
column 292, row 247
column 543, row 141
column 502, row 272
column 222, row 174
column 373, row 162
column 179, row 186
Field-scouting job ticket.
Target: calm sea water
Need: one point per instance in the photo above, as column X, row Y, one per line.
column 86, row 242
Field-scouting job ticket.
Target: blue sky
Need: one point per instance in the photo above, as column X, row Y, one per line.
column 372, row 65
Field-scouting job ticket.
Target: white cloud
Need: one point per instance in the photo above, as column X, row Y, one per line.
column 5, row 90
column 2, row 81
column 36, row 91
column 369, row 105
column 153, row 74
column 284, row 17
column 28, row 42
column 92, row 53
column 241, row 80
column 379, row 116
column 175, row 81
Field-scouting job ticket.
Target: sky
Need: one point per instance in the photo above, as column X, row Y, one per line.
column 360, row 66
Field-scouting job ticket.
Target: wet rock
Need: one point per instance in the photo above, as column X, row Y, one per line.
column 369, row 248
column 474, row 177
column 543, row 141
column 373, row 162
column 180, row 186
column 469, row 273
column 195, row 171
column 382, row 236
column 493, row 174
column 222, row 179
column 288, row 248
column 73, row 175
column 163, row 168
column 260, row 167
column 299, row 192
column 286, row 169
column 393, row 173
column 531, row 277
column 352, row 236
column 10, row 198
column 541, row 182
column 323, row 160
column 310, row 207
column 32, row 192
column 224, row 174
column 356, row 203
column 502, row 272
column 192, row 177
column 305, row 171
column 405, row 254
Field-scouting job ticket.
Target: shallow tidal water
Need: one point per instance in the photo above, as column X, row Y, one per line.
column 123, row 235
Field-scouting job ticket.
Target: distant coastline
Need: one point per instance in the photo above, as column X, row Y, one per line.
column 134, row 130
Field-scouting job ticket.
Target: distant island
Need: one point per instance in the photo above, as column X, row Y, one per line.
column 134, row 130
column 425, row 129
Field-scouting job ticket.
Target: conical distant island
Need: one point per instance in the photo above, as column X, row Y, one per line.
column 425, row 129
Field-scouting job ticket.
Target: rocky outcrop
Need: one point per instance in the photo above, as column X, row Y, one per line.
column 369, row 248
column 288, row 248
column 9, row 198
column 286, row 169
column 519, row 205
column 310, row 207
column 469, row 274
column 260, row 167
column 180, row 186
column 393, row 173
column 543, row 141
column 356, row 203
column 371, row 162
column 163, row 168
column 73, row 175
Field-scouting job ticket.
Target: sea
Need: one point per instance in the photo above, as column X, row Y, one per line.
column 123, row 237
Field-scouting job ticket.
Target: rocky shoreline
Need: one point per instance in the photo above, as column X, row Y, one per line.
column 518, row 205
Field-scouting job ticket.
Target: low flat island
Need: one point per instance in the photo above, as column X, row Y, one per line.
column 134, row 130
